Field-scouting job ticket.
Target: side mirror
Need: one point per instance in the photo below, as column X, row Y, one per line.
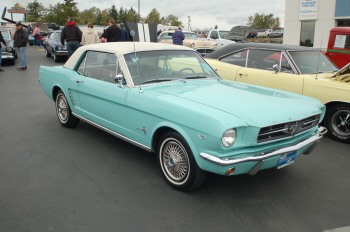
column 119, row 79
column 275, row 68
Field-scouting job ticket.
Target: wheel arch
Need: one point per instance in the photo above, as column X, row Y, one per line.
column 54, row 92
column 332, row 103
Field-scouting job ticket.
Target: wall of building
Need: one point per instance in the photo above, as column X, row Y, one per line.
column 324, row 23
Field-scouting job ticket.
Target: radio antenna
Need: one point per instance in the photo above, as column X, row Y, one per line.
column 133, row 33
column 319, row 56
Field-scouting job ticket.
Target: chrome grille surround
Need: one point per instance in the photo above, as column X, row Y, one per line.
column 288, row 129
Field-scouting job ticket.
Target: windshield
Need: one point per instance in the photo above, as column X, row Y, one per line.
column 158, row 66
column 223, row 34
column 310, row 62
column 190, row 35
column 5, row 34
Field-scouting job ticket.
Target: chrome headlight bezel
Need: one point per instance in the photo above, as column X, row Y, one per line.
column 9, row 49
column 59, row 48
column 228, row 138
column 215, row 46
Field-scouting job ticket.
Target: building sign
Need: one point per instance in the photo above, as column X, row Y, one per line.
column 308, row 9
column 18, row 8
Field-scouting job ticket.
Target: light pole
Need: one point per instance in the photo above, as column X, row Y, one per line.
column 139, row 10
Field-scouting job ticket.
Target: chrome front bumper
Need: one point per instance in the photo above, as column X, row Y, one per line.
column 7, row 55
column 61, row 53
column 276, row 152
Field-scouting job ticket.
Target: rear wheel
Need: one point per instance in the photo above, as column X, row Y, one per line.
column 64, row 112
column 337, row 122
column 178, row 166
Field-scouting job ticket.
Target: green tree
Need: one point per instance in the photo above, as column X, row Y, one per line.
column 98, row 17
column 153, row 17
column 113, row 13
column 173, row 20
column 262, row 21
column 88, row 15
column 36, row 11
column 60, row 12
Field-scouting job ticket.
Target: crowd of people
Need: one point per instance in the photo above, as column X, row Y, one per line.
column 74, row 38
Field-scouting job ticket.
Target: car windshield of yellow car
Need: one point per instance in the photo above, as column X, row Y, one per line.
column 190, row 35
column 158, row 66
column 310, row 62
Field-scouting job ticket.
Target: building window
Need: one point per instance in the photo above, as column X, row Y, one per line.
column 307, row 33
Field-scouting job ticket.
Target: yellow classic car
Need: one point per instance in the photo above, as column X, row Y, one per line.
column 191, row 41
column 296, row 69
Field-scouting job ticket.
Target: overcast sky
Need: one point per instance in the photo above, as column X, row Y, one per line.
column 204, row 13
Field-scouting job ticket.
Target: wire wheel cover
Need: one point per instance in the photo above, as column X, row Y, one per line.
column 175, row 160
column 62, row 108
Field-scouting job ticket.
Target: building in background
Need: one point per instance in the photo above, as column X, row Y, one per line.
column 308, row 22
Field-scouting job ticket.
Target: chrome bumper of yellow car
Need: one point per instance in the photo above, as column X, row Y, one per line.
column 259, row 157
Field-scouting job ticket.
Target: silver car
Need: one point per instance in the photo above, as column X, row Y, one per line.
column 8, row 52
column 277, row 33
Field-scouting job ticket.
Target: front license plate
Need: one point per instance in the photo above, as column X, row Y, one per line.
column 286, row 160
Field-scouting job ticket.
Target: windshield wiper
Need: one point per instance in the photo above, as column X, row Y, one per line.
column 161, row 80
column 195, row 77
column 317, row 72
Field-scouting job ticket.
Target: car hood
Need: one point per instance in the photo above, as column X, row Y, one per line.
column 257, row 106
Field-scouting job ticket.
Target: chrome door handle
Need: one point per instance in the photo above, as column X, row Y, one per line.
column 241, row 75
column 79, row 81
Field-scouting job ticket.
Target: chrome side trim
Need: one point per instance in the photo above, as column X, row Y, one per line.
column 114, row 133
column 284, row 150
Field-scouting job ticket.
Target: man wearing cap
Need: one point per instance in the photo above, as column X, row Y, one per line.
column 72, row 34
column 20, row 42
column 178, row 37
column 4, row 42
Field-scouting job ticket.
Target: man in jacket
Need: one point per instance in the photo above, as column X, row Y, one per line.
column 4, row 42
column 178, row 37
column 112, row 33
column 20, row 42
column 72, row 34
column 124, row 34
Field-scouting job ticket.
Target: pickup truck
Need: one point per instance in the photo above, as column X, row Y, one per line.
column 338, row 49
column 218, row 36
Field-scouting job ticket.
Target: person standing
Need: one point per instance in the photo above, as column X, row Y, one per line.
column 160, row 31
column 112, row 33
column 36, row 35
column 90, row 36
column 29, row 29
column 124, row 34
column 178, row 37
column 20, row 42
column 4, row 42
column 72, row 34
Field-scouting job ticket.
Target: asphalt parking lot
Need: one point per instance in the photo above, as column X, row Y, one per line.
column 83, row 179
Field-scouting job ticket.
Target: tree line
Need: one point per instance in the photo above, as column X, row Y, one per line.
column 61, row 11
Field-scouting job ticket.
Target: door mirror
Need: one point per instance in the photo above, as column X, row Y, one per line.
column 119, row 79
column 275, row 68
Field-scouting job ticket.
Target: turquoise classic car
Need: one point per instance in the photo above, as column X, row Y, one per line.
column 166, row 99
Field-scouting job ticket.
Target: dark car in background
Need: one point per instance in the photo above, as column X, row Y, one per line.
column 53, row 46
column 9, row 53
column 252, row 33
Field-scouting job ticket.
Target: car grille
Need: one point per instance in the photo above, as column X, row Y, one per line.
column 285, row 130
column 204, row 51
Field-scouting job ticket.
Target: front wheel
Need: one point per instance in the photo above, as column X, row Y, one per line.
column 337, row 122
column 48, row 54
column 177, row 163
column 64, row 112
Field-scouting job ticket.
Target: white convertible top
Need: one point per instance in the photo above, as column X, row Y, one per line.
column 121, row 48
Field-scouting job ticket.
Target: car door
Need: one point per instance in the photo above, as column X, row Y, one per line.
column 259, row 71
column 102, row 100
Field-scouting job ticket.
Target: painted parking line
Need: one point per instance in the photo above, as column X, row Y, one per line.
column 343, row 229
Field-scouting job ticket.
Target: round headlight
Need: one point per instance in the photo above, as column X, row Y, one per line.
column 229, row 137
column 59, row 48
column 192, row 45
column 215, row 46
column 9, row 49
